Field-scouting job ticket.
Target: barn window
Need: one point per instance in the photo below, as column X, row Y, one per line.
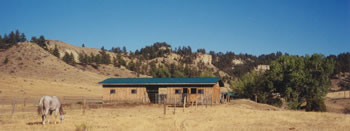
column 112, row 91
column 200, row 91
column 193, row 91
column 133, row 91
column 177, row 91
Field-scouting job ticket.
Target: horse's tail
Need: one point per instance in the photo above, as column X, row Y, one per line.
column 40, row 106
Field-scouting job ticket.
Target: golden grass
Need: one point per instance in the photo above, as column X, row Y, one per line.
column 150, row 117
column 27, row 87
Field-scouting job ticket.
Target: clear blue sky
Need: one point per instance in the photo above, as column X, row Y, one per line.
column 243, row 26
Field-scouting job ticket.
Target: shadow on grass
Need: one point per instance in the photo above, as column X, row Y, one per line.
column 34, row 123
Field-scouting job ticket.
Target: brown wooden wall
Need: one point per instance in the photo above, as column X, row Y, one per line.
column 124, row 95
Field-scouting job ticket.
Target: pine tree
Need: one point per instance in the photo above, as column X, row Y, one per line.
column 56, row 52
column 71, row 58
column 34, row 39
column 12, row 38
column 124, row 50
column 17, row 36
column 83, row 45
column 66, row 57
column 23, row 38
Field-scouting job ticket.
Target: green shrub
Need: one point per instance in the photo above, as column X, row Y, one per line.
column 316, row 104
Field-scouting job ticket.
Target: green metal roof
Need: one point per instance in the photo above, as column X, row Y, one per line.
column 156, row 81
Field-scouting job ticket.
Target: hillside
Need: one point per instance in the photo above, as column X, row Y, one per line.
column 32, row 70
column 106, row 70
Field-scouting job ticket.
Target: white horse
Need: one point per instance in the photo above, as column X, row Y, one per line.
column 49, row 104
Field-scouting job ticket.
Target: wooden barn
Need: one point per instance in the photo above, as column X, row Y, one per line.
column 160, row 90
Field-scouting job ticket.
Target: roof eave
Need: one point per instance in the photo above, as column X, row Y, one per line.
column 157, row 83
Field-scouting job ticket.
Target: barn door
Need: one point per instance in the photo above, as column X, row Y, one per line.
column 152, row 92
column 184, row 93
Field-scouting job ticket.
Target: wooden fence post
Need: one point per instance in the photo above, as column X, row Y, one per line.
column 174, row 105
column 84, row 106
column 164, row 108
column 13, row 106
column 24, row 102
column 206, row 101
column 184, row 104
column 196, row 102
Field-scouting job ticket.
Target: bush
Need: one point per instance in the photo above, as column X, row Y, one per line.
column 316, row 104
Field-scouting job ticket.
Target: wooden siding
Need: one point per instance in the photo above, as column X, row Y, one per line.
column 124, row 95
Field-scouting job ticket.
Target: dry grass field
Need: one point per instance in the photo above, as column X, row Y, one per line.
column 236, row 115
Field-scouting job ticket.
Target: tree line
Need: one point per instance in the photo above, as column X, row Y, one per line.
column 7, row 41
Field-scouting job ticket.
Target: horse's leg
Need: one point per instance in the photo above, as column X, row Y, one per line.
column 43, row 119
column 56, row 113
column 44, row 115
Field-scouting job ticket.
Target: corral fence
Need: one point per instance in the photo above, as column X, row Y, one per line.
column 10, row 104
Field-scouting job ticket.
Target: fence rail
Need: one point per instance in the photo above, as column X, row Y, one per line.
column 10, row 104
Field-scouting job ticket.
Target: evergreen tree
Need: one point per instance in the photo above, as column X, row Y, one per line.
column 23, row 38
column 56, row 52
column 12, row 38
column 34, row 39
column 105, row 58
column 83, row 45
column 124, row 50
column 17, row 36
column 66, row 58
column 71, row 58
column 131, row 66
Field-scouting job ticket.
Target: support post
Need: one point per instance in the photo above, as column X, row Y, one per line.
column 206, row 102
column 184, row 104
column 202, row 100
column 196, row 102
column 174, row 105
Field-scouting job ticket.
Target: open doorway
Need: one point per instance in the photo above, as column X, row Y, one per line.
column 184, row 93
column 152, row 92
